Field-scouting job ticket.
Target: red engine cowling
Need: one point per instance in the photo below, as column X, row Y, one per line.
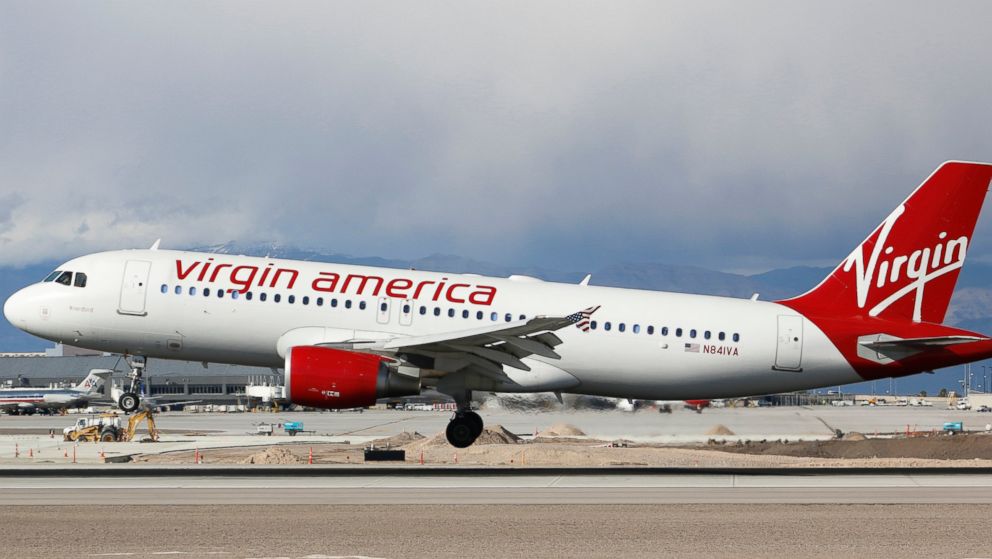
column 322, row 377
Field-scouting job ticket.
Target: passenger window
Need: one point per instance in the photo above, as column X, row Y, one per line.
column 320, row 301
column 262, row 297
column 706, row 334
column 234, row 293
column 179, row 290
column 622, row 327
column 737, row 337
column 636, row 329
column 347, row 303
column 465, row 313
column 291, row 299
column 437, row 311
column 334, row 302
column 383, row 307
column 165, row 288
column 607, row 326
column 192, row 291
column 362, row 305
column 509, row 317
column 523, row 317
column 220, row 293
column 494, row 317
column 206, row 292
column 80, row 280
column 650, row 330
column 52, row 276
column 721, row 336
column 479, row 315
column 406, row 309
column 692, row 333
column 664, row 330
column 678, row 332
column 248, row 296
column 276, row 298
column 65, row 278
column 423, row 310
column 305, row 300
column 451, row 313
column 593, row 325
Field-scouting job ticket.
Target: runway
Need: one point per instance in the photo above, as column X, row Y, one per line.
column 513, row 488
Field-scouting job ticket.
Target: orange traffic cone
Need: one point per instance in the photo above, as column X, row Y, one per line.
column 310, row 459
column 421, row 457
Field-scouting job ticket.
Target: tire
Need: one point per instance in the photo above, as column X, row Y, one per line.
column 460, row 432
column 129, row 402
column 476, row 421
column 108, row 436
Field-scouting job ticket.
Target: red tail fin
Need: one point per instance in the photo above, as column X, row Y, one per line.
column 906, row 269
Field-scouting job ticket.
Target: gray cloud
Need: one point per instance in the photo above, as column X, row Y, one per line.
column 740, row 136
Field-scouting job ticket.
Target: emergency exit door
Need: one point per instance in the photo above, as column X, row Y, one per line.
column 134, row 287
column 789, row 356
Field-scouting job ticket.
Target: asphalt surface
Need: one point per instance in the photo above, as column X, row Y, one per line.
column 271, row 529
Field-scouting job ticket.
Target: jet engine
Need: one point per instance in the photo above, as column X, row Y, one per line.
column 328, row 378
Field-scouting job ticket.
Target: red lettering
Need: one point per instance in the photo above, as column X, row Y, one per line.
column 362, row 284
column 439, row 290
column 420, row 287
column 483, row 296
column 203, row 270
column 217, row 269
column 395, row 289
column 279, row 272
column 326, row 285
column 244, row 283
column 182, row 274
column 450, row 295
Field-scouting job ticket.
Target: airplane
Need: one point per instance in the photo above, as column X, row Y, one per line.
column 346, row 336
column 28, row 400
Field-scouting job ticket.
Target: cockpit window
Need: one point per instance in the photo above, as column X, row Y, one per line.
column 65, row 278
column 53, row 275
column 80, row 280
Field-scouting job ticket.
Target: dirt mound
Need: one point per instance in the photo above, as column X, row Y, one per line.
column 404, row 438
column 939, row 447
column 492, row 434
column 853, row 436
column 562, row 430
column 720, row 429
column 272, row 455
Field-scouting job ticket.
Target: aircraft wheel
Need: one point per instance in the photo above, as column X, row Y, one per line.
column 476, row 421
column 129, row 402
column 460, row 432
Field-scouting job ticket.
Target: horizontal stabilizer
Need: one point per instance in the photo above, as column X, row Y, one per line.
column 883, row 348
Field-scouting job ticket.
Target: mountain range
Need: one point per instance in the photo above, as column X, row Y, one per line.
column 971, row 307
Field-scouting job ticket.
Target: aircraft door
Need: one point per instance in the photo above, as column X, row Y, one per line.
column 406, row 313
column 134, row 287
column 382, row 313
column 789, row 355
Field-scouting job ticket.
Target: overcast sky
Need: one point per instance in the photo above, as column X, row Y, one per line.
column 737, row 136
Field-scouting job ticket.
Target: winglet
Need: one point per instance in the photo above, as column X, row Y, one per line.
column 155, row 244
column 585, row 280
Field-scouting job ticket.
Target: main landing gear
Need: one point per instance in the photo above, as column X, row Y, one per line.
column 464, row 428
column 130, row 400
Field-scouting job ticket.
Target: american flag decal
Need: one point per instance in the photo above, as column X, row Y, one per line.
column 692, row 348
column 581, row 318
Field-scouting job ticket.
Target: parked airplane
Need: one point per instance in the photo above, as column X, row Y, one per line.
column 347, row 335
column 28, row 400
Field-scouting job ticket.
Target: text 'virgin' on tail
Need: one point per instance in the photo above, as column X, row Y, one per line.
column 907, row 267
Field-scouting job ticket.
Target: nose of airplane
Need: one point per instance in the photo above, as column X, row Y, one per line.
column 13, row 309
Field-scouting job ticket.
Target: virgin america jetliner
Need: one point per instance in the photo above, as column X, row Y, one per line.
column 347, row 335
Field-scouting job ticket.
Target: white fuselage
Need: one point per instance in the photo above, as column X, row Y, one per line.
column 153, row 303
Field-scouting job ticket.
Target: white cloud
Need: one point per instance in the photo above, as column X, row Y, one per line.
column 731, row 135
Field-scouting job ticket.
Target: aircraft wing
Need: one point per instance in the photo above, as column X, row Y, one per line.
column 490, row 347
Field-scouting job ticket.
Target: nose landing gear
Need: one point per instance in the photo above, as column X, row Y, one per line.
column 129, row 400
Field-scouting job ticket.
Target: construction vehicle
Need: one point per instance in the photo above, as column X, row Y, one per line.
column 107, row 428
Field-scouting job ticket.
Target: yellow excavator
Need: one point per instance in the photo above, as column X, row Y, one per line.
column 107, row 428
